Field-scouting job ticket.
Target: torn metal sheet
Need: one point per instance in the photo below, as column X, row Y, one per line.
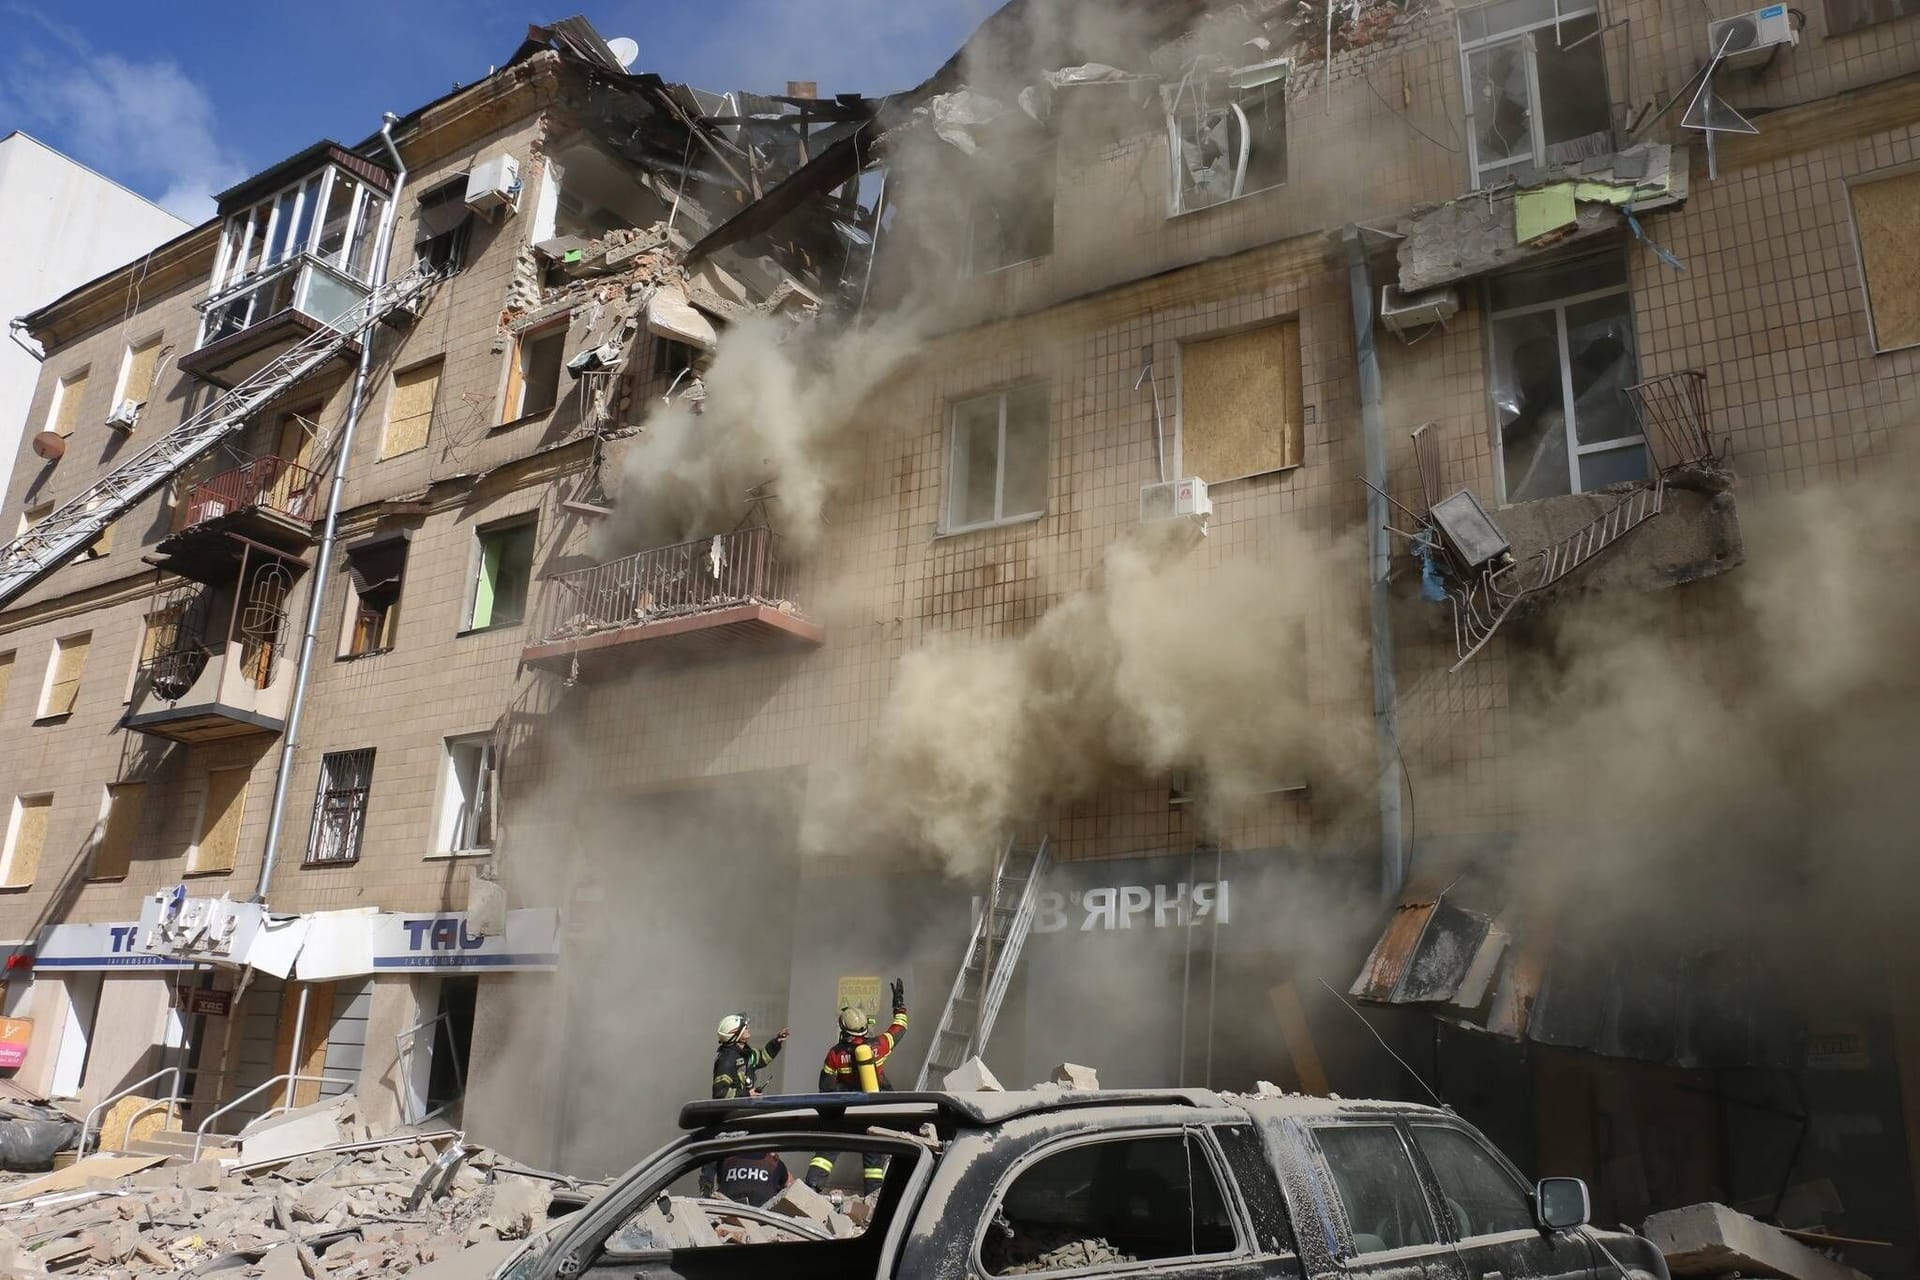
column 954, row 115
column 670, row 316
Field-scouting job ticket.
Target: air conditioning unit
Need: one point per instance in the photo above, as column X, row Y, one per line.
column 124, row 415
column 1751, row 38
column 494, row 184
column 1404, row 312
column 1172, row 499
column 209, row 509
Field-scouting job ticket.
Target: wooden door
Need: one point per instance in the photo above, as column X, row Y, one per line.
column 313, row 1039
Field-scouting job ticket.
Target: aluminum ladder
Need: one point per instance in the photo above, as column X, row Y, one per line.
column 80, row 519
column 987, row 970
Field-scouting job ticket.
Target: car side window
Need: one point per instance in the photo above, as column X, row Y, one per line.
column 1482, row 1196
column 1375, row 1178
column 1106, row 1203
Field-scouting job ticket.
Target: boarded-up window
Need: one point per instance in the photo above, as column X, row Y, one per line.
column 1851, row 15
column 66, row 403
column 1886, row 215
column 6, row 677
column 137, row 370
column 410, row 411
column 220, row 821
column 1241, row 410
column 26, row 837
column 100, row 545
column 32, row 514
column 63, row 678
column 120, row 827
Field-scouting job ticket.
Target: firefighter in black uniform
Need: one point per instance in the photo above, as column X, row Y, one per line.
column 736, row 1074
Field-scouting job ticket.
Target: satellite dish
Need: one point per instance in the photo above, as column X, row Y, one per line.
column 625, row 48
column 49, row 445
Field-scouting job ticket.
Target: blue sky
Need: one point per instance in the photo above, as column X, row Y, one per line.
column 179, row 98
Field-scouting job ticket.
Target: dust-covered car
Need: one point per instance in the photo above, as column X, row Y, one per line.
column 1181, row 1183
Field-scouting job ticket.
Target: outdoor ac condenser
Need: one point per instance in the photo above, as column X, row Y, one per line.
column 1169, row 499
column 124, row 415
column 494, row 184
column 1751, row 38
column 1403, row 312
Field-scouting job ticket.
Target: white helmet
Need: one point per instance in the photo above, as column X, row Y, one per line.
column 732, row 1027
column 853, row 1020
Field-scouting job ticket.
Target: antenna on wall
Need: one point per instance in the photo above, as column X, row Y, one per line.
column 625, row 48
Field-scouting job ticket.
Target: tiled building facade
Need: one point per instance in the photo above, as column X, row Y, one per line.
column 600, row 764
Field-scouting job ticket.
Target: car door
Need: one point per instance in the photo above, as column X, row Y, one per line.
column 1122, row 1202
column 1392, row 1231
column 1490, row 1212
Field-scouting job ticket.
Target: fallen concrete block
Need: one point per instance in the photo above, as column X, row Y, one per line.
column 971, row 1076
column 1075, row 1076
column 1713, row 1240
column 519, row 1207
column 798, row 1200
column 282, row 1262
column 112, row 1242
column 316, row 1200
column 293, row 1133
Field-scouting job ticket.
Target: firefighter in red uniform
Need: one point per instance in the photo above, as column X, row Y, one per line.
column 858, row 1063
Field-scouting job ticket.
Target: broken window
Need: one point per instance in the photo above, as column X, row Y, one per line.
column 1373, row 1173
column 998, row 459
column 442, row 223
column 1563, row 357
column 466, row 800
column 1012, row 220
column 502, row 572
column 533, row 378
column 340, row 807
column 1888, row 230
column 1227, row 135
column 671, row 360
column 375, row 571
column 1536, row 86
column 1483, row 1197
column 1138, row 1198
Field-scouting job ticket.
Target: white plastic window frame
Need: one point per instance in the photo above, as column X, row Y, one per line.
column 1000, row 517
column 1242, row 80
column 230, row 264
column 1523, row 34
column 1222, row 1178
column 1559, row 306
column 452, row 803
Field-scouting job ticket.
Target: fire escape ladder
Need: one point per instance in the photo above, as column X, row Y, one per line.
column 993, row 952
column 79, row 520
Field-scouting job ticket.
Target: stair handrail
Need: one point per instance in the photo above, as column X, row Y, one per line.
column 127, row 1092
column 285, row 1077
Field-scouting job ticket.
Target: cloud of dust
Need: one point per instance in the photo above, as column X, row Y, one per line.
column 1165, row 663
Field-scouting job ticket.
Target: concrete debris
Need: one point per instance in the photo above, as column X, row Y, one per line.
column 1033, row 1250
column 1075, row 1076
column 798, row 1200
column 1713, row 1240
column 971, row 1076
column 326, row 1123
column 327, row 1213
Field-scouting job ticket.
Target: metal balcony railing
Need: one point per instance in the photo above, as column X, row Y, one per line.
column 683, row 580
column 275, row 483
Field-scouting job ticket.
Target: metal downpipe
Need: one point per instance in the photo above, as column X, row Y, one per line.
column 290, row 741
column 1386, row 693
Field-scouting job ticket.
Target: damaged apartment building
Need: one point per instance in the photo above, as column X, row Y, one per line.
column 474, row 607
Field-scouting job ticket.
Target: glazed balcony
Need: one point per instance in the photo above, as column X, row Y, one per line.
column 269, row 502
column 729, row 595
column 296, row 255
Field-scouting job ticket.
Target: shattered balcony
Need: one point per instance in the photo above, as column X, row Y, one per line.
column 729, row 595
column 296, row 254
column 269, row 503
column 213, row 664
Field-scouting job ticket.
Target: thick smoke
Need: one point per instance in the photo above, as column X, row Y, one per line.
column 1165, row 664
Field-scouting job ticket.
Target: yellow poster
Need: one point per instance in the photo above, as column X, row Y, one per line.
column 861, row 993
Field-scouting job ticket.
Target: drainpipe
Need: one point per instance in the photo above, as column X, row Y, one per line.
column 382, row 247
column 1386, row 693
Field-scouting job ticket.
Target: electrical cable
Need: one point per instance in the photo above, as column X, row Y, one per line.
column 1404, row 118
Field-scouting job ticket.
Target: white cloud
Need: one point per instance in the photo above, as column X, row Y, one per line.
column 144, row 124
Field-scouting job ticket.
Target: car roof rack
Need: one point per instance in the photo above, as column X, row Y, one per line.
column 967, row 1108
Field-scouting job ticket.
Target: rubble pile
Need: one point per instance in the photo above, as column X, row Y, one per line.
column 365, row 1210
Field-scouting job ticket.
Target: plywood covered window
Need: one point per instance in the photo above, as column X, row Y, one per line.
column 63, row 675
column 32, row 514
column 220, row 814
column 26, row 837
column 64, row 414
column 1242, row 412
column 119, row 829
column 1886, row 218
column 410, row 410
column 6, row 677
column 137, row 371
